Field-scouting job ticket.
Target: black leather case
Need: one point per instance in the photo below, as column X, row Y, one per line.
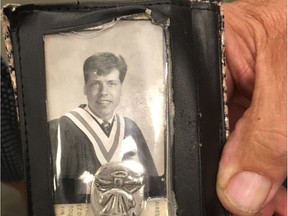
column 197, row 70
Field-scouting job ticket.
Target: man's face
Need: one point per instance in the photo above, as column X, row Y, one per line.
column 103, row 93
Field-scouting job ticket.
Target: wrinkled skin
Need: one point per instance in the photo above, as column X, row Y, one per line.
column 254, row 160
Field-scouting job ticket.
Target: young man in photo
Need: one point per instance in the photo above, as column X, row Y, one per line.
column 93, row 134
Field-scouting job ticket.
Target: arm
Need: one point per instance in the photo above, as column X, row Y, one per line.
column 144, row 154
column 67, row 162
column 156, row 186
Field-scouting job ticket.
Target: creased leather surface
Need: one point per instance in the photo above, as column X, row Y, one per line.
column 197, row 81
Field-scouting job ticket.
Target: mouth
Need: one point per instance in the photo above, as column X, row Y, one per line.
column 103, row 101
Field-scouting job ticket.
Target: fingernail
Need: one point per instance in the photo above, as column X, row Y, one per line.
column 247, row 191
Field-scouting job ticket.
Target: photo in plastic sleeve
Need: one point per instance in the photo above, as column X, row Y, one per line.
column 107, row 113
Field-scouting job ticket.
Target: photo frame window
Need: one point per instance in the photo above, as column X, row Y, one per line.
column 115, row 73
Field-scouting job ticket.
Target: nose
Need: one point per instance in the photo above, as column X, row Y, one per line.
column 103, row 89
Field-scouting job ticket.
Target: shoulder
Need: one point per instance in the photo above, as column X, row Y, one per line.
column 64, row 120
column 129, row 123
column 63, row 123
column 132, row 128
column 53, row 124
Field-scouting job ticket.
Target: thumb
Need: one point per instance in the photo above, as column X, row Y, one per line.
column 253, row 163
column 252, row 166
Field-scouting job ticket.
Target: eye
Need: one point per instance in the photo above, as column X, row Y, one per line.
column 112, row 83
column 95, row 84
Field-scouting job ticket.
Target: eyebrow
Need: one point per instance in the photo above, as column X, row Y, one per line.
column 113, row 81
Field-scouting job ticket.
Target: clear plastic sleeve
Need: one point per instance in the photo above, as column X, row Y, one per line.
column 109, row 110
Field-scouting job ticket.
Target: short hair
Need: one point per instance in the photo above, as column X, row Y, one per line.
column 103, row 63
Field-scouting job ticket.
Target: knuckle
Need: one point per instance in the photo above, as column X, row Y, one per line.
column 270, row 145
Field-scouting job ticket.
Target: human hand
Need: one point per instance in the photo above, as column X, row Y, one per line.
column 254, row 159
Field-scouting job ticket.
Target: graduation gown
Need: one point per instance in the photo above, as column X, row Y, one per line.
column 83, row 147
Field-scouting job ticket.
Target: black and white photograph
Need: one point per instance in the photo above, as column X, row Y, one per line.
column 107, row 102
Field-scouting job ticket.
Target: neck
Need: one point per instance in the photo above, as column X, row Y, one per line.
column 107, row 118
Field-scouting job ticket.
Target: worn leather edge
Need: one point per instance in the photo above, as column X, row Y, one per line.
column 9, row 50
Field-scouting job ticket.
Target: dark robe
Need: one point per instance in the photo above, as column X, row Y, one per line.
column 78, row 156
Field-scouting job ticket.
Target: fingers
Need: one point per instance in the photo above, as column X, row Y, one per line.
column 280, row 202
column 278, row 205
column 253, row 162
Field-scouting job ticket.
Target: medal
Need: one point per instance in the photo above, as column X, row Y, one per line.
column 117, row 190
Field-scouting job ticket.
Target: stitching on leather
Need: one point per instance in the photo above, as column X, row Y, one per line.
column 64, row 8
column 108, row 6
column 11, row 59
column 27, row 158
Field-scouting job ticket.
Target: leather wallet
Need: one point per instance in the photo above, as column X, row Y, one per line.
column 186, row 36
